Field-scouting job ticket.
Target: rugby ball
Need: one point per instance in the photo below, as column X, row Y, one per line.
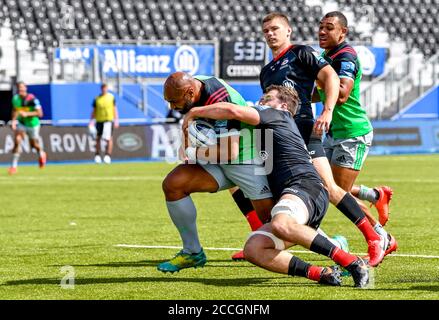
column 202, row 134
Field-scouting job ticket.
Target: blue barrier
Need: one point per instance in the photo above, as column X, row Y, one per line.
column 42, row 92
column 405, row 136
column 71, row 104
column 425, row 107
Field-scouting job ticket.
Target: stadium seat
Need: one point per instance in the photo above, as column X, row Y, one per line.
column 396, row 15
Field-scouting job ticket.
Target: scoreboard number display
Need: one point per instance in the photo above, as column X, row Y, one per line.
column 242, row 59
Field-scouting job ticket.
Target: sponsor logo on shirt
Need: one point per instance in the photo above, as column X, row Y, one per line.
column 289, row 83
column 347, row 69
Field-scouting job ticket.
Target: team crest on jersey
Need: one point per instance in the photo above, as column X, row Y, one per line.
column 284, row 64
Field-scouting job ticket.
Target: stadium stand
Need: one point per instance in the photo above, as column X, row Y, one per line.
column 30, row 29
column 415, row 21
column 49, row 21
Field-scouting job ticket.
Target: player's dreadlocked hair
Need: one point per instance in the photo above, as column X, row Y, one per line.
column 286, row 95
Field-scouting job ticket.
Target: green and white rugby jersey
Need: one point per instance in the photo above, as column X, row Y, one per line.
column 217, row 90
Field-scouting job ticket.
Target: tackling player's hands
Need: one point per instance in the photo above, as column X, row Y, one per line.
column 188, row 118
column 323, row 122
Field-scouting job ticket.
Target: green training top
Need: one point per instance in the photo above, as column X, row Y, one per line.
column 349, row 119
column 29, row 104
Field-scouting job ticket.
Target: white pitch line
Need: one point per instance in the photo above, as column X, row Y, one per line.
column 293, row 251
column 170, row 247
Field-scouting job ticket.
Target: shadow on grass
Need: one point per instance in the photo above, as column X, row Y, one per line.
column 212, row 263
column 434, row 288
column 219, row 282
column 433, row 281
column 426, row 288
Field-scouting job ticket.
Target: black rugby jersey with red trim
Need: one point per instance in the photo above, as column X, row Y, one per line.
column 297, row 67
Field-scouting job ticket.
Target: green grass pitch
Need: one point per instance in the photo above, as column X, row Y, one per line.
column 75, row 215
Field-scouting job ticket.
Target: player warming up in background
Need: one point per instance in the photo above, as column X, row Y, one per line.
column 26, row 114
column 106, row 116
